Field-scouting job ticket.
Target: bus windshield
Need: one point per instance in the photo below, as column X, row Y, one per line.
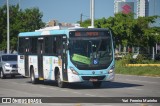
column 91, row 52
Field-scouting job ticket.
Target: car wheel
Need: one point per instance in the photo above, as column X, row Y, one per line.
column 2, row 74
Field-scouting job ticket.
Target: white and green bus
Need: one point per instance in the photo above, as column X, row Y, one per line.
column 67, row 55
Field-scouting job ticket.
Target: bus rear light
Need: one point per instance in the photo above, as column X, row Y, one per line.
column 73, row 71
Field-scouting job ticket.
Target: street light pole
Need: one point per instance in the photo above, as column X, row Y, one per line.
column 7, row 28
column 92, row 12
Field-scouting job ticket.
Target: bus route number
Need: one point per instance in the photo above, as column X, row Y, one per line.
column 92, row 33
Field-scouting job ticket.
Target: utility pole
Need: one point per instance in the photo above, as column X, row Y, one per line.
column 92, row 13
column 19, row 5
column 81, row 18
column 92, row 20
column 8, row 49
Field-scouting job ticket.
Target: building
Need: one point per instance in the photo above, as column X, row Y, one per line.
column 123, row 6
column 52, row 23
column 142, row 8
column 154, row 9
column 116, row 5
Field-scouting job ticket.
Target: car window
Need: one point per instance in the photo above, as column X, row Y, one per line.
column 9, row 58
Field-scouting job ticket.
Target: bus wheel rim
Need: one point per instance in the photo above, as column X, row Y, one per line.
column 32, row 77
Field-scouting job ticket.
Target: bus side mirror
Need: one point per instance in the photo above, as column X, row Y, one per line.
column 68, row 46
column 114, row 42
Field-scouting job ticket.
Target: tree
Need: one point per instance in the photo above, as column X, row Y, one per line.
column 129, row 31
column 20, row 21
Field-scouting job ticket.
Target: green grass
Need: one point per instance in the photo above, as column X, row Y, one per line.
column 141, row 71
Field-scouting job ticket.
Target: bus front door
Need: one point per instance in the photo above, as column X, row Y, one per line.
column 40, row 56
column 64, row 57
column 26, row 57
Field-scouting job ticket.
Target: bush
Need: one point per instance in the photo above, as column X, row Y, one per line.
column 140, row 59
column 157, row 57
column 126, row 59
column 143, row 71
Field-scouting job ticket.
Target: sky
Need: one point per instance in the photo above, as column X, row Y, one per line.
column 70, row 10
column 67, row 10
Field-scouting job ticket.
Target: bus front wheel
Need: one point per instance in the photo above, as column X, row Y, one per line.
column 60, row 83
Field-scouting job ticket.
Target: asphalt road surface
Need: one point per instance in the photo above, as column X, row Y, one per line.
column 123, row 86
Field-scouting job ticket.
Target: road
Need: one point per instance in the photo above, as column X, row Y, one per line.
column 123, row 86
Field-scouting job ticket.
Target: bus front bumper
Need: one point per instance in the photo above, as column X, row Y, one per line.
column 93, row 78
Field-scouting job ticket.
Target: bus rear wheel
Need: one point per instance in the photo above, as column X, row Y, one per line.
column 97, row 84
column 33, row 79
column 60, row 83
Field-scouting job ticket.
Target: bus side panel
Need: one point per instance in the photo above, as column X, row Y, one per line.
column 33, row 61
column 21, row 68
column 49, row 65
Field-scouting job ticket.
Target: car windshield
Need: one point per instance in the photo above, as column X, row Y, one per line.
column 91, row 53
column 9, row 57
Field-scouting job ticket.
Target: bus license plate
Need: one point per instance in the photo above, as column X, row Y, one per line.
column 93, row 80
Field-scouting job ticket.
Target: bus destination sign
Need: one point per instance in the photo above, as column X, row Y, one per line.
column 88, row 33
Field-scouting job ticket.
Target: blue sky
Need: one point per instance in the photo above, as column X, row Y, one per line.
column 70, row 10
column 67, row 10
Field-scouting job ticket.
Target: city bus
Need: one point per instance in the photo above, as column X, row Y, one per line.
column 67, row 55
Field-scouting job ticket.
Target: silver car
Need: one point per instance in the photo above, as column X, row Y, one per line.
column 8, row 65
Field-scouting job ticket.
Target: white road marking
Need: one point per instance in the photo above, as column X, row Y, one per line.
column 53, row 88
column 64, row 90
column 90, row 95
column 77, row 93
column 135, row 89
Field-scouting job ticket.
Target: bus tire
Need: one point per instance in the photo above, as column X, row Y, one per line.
column 2, row 74
column 60, row 83
column 97, row 84
column 33, row 79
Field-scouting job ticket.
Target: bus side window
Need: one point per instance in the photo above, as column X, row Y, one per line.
column 34, row 45
column 54, row 45
column 48, row 44
column 58, row 45
column 21, row 47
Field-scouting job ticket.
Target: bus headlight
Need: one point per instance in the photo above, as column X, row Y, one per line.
column 111, row 70
column 73, row 71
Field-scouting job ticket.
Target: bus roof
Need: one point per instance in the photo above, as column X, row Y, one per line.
column 56, row 31
column 38, row 33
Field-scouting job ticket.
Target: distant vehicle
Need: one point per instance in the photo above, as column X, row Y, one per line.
column 8, row 65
